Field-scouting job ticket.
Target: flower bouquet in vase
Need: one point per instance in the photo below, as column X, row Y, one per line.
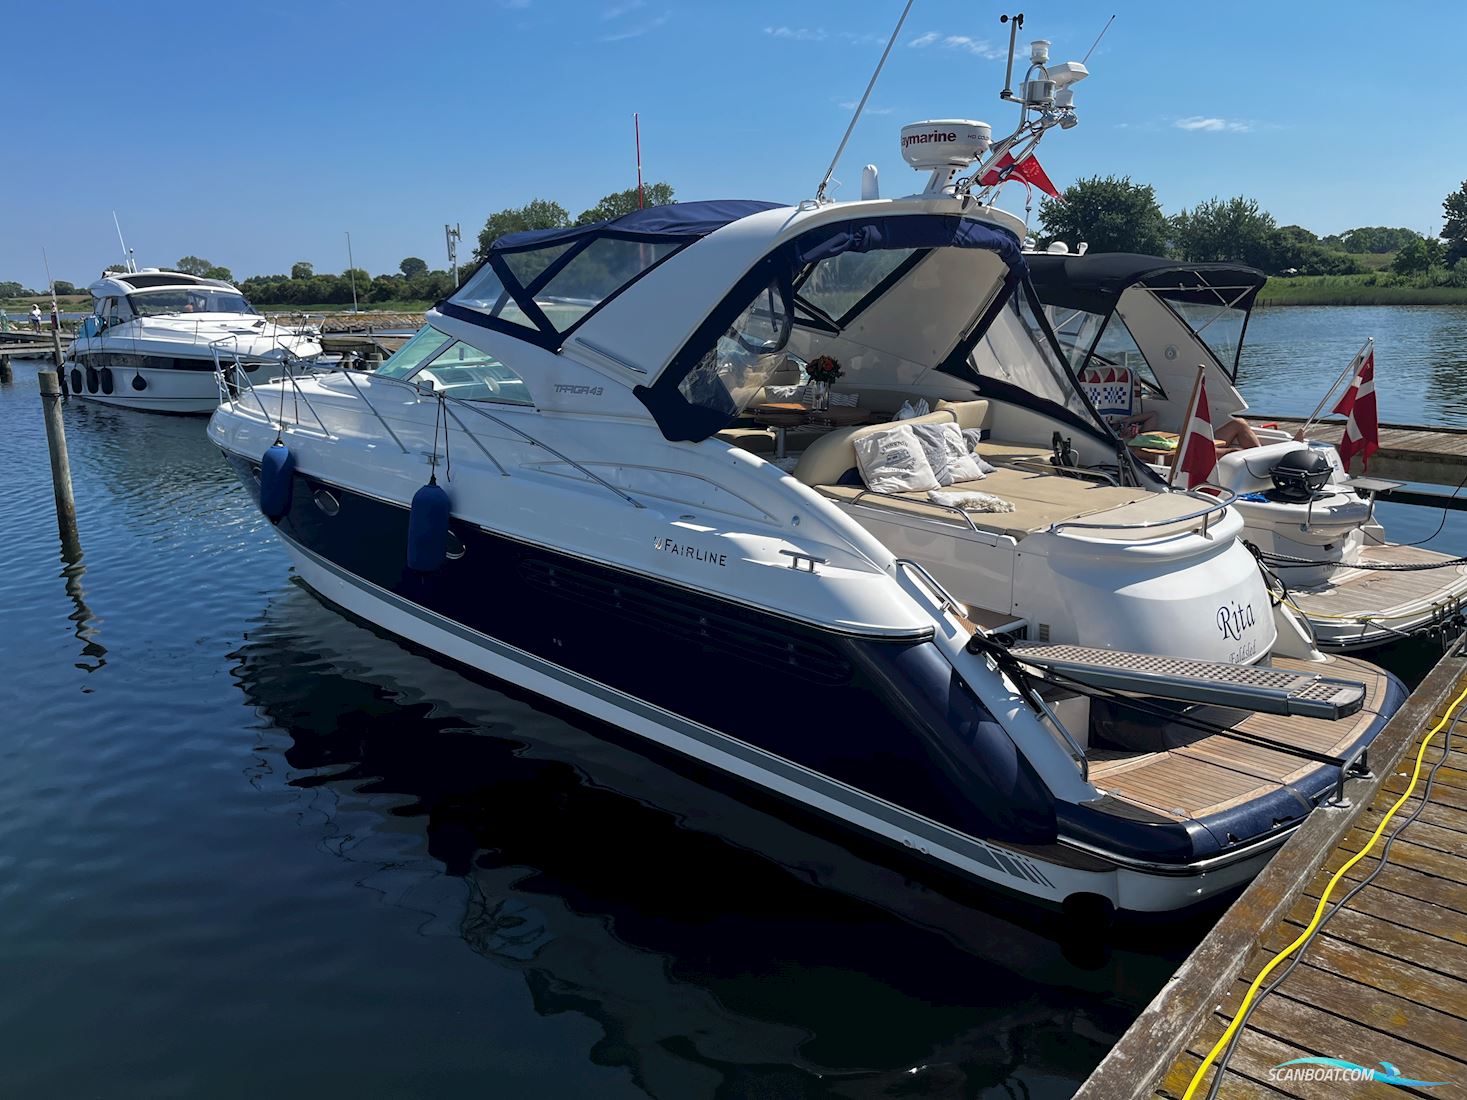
column 822, row 371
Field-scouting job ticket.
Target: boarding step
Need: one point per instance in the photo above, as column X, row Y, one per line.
column 1251, row 687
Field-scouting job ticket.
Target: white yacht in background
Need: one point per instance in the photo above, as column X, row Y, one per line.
column 1073, row 686
column 1136, row 328
column 154, row 339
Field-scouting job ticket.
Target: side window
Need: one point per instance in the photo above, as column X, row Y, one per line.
column 465, row 372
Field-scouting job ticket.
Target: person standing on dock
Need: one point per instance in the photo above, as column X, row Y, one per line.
column 35, row 317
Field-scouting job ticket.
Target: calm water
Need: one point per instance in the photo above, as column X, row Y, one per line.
column 249, row 847
column 1293, row 353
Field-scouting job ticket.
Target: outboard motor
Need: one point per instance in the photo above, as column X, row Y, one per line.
column 1298, row 475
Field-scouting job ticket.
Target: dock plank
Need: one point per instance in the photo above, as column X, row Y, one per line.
column 1408, row 452
column 1405, row 881
column 1384, row 979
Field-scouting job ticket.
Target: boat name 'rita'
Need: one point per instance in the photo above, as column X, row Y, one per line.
column 683, row 550
column 1232, row 621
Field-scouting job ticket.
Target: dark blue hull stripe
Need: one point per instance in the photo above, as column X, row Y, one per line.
column 1003, row 862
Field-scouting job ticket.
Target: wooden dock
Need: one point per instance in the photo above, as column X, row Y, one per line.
column 1437, row 456
column 1385, row 980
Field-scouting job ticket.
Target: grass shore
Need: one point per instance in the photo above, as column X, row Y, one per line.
column 1356, row 290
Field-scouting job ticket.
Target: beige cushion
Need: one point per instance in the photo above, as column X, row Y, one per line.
column 758, row 440
column 827, row 459
column 969, row 414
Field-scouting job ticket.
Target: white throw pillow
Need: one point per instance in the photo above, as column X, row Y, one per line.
column 909, row 410
column 973, row 437
column 947, row 453
column 892, row 461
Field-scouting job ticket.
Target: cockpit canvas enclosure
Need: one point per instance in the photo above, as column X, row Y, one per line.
column 698, row 305
column 1152, row 315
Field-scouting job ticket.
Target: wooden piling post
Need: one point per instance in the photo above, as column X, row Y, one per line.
column 60, row 465
column 60, row 374
column 6, row 374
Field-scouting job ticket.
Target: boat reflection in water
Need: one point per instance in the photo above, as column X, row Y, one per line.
column 717, row 947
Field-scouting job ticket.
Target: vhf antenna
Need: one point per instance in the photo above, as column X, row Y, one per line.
column 1015, row 27
column 824, row 183
column 126, row 252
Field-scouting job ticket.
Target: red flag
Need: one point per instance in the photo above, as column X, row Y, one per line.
column 1027, row 169
column 1362, row 429
column 1197, row 455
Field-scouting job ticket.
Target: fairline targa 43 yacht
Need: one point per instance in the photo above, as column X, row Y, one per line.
column 154, row 339
column 1081, row 693
column 1136, row 329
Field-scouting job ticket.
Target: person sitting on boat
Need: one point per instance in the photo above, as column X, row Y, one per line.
column 1236, row 435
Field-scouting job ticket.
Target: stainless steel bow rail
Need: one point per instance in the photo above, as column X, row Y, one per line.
column 316, row 369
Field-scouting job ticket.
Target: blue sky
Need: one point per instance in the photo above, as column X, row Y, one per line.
column 257, row 135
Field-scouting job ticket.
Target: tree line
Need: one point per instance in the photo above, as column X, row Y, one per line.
column 1115, row 214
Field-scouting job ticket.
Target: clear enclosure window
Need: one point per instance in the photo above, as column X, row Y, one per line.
column 1076, row 330
column 1220, row 327
column 486, row 294
column 427, row 343
column 835, row 285
column 598, row 271
column 737, row 367
column 1016, row 350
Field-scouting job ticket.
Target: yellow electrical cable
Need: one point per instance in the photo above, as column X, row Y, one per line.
column 1323, row 900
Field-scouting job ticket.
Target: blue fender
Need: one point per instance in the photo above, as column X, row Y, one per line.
column 277, row 480
column 428, row 528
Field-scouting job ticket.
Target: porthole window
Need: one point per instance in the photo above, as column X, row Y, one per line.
column 455, row 547
column 326, row 502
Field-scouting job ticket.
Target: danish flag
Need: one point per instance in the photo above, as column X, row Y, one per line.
column 1197, row 456
column 1027, row 170
column 1362, row 429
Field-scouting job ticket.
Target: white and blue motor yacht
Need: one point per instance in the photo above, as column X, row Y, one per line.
column 1082, row 693
column 155, row 338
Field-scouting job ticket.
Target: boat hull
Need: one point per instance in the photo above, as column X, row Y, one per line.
column 855, row 749
column 186, row 386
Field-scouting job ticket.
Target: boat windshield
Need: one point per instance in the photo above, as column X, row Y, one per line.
column 160, row 303
column 455, row 369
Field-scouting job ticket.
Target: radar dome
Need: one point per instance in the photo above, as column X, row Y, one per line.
column 945, row 143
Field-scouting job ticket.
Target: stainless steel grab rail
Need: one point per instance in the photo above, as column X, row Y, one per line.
column 1216, row 504
column 860, row 498
column 934, row 587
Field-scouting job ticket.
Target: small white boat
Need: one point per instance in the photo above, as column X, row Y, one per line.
column 1136, row 328
column 155, row 339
